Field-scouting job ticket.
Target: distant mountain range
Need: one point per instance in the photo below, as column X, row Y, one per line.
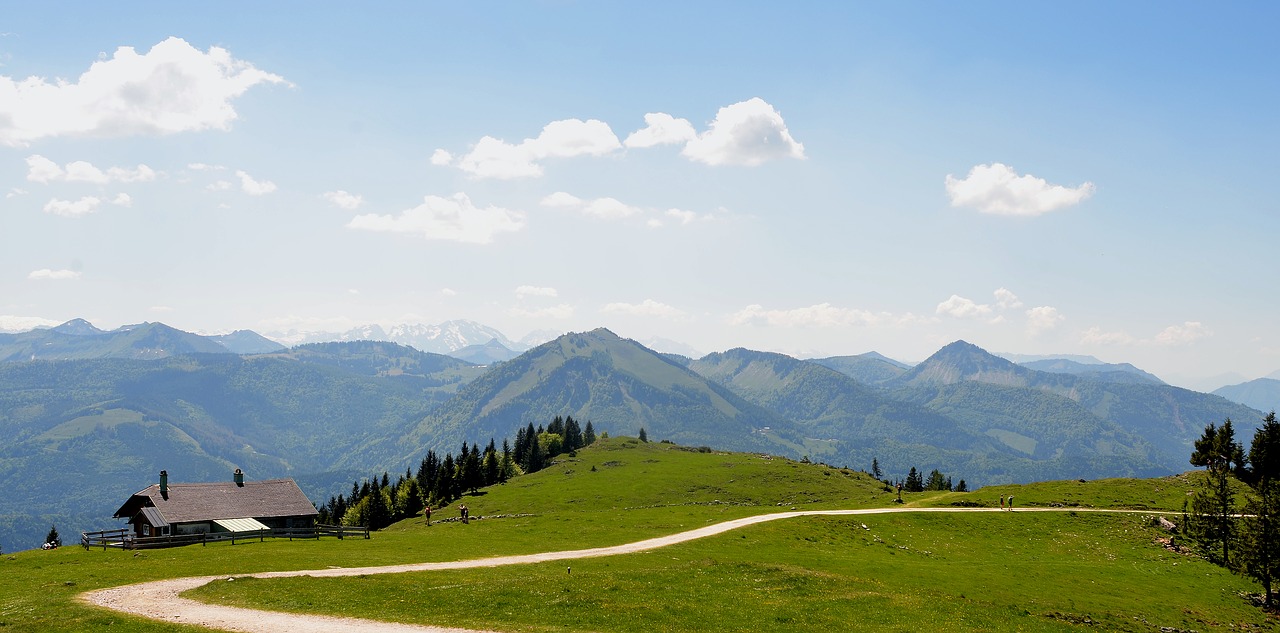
column 445, row 338
column 1262, row 394
column 91, row 415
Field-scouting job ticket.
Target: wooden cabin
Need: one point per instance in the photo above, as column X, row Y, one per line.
column 165, row 509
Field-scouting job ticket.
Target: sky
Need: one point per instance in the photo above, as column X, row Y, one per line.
column 810, row 178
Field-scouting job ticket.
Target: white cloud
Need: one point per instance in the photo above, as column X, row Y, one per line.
column 205, row 167
column 15, row 192
column 1188, row 332
column 1005, row 299
column 962, row 308
column 345, row 200
column 455, row 219
column 648, row 308
column 441, row 158
column 448, row 292
column 70, row 209
column 1043, row 319
column 820, row 315
column 998, row 189
column 1095, row 336
column 607, row 208
column 535, row 291
column 661, row 129
column 494, row 158
column 255, row 187
column 172, row 88
column 221, row 185
column 54, row 275
column 745, row 133
column 43, row 170
column 122, row 200
column 562, row 311
column 10, row 323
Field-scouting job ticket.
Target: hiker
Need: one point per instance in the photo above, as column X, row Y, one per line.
column 427, row 512
column 463, row 510
column 1011, row 503
column 1001, row 502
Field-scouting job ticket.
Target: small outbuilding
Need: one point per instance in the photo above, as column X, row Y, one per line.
column 166, row 509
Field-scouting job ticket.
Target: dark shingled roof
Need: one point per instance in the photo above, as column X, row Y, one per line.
column 222, row 500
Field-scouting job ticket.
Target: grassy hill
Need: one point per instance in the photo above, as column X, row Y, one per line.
column 1023, row 571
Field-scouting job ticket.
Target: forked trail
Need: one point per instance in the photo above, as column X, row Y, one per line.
column 160, row 600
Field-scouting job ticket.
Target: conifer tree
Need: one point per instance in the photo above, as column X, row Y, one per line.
column 875, row 469
column 506, row 466
column 588, row 435
column 1211, row 521
column 644, row 437
column 52, row 537
column 914, row 482
column 572, row 435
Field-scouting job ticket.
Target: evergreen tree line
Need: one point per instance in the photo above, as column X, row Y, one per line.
column 915, row 482
column 535, row 448
column 1245, row 539
column 378, row 502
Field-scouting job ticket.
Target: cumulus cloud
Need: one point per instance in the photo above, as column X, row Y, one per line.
column 999, row 190
column 1005, row 299
column 820, row 315
column 1188, row 332
column 53, row 275
column 441, row 158
column 345, row 200
column 647, row 308
column 455, row 219
column 15, row 192
column 661, row 129
column 535, row 291
column 122, row 200
column 1043, row 318
column 962, row 308
column 43, row 170
column 72, row 209
column 221, row 185
column 172, row 88
column 254, row 187
column 1096, row 336
column 606, row 208
column 495, row 158
column 10, row 323
column 746, row 133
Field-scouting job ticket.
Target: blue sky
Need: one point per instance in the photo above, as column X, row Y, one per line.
column 811, row 178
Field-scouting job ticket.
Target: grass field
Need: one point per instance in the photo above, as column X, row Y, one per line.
column 989, row 571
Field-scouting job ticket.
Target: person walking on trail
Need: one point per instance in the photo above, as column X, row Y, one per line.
column 1011, row 503
column 1001, row 502
column 427, row 512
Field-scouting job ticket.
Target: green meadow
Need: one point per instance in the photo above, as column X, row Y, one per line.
column 1066, row 570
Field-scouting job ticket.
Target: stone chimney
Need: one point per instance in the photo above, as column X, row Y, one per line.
column 238, row 477
column 164, row 484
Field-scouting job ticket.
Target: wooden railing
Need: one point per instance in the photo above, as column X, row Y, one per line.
column 123, row 539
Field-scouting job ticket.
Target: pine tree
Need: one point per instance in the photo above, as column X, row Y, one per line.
column 506, row 467
column 52, row 537
column 489, row 466
column 914, row 482
column 644, row 437
column 572, row 435
column 556, row 426
column 962, row 487
column 875, row 469
column 1211, row 521
column 588, row 435
column 936, row 481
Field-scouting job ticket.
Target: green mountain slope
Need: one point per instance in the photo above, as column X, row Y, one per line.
column 1121, row 428
column 870, row 368
column 616, row 384
column 81, row 435
column 1262, row 394
column 78, row 339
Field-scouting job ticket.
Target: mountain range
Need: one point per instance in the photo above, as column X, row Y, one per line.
column 91, row 415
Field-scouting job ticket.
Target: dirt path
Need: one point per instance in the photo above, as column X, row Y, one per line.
column 160, row 600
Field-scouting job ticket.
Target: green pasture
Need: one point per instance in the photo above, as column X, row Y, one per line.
column 986, row 571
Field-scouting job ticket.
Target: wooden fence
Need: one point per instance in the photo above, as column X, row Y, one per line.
column 123, row 539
